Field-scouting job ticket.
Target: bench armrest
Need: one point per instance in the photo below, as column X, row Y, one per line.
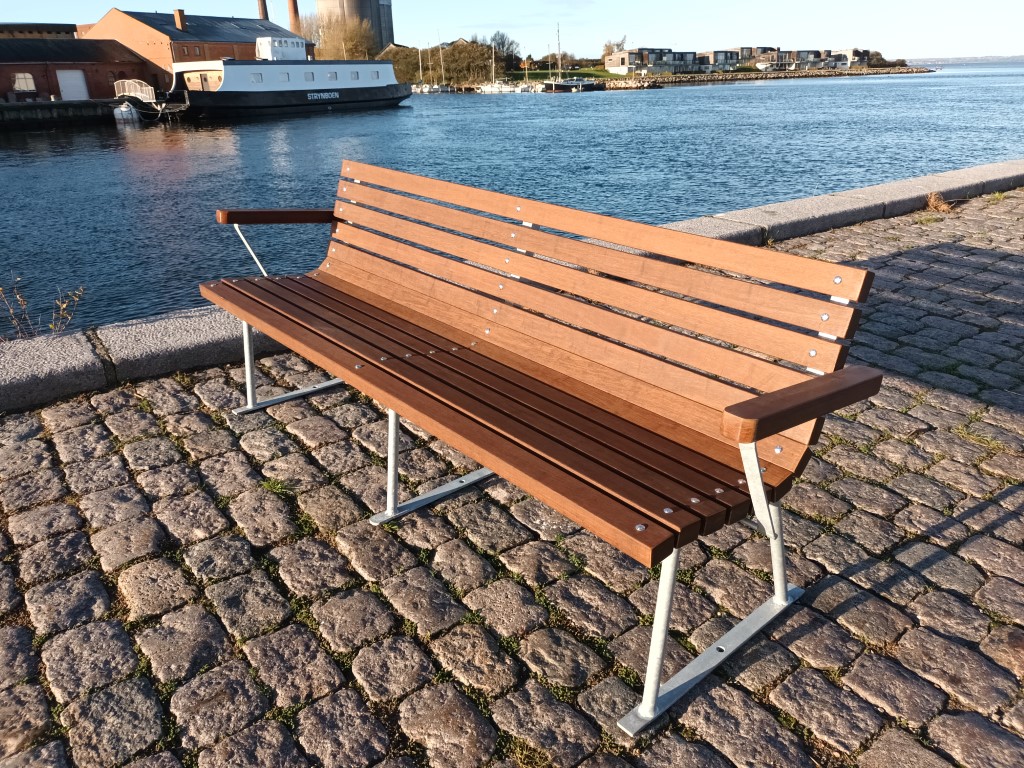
column 275, row 216
column 777, row 411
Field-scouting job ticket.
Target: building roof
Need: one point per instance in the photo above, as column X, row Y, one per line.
column 216, row 29
column 31, row 26
column 84, row 51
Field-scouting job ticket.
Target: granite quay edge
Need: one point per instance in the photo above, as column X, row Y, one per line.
column 811, row 215
column 35, row 372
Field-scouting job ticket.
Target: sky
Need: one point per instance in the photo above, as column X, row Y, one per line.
column 898, row 28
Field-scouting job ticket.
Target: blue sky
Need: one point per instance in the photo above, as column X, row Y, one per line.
column 897, row 28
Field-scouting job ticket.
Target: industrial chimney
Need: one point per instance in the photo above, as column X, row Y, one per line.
column 293, row 17
column 179, row 20
column 263, row 10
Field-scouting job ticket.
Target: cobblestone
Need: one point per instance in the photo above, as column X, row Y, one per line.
column 959, row 671
column 741, row 729
column 507, row 607
column 834, row 715
column 86, row 658
column 341, row 733
column 113, row 724
column 449, row 726
column 183, row 643
column 292, row 662
column 18, row 662
column 219, row 558
column 392, row 668
column 200, row 705
column 473, row 656
column 190, row 519
column 560, row 658
column 154, row 587
column 976, row 742
column 352, row 619
column 126, row 542
column 61, row 605
column 894, row 689
column 311, row 567
column 533, row 714
column 266, row 743
column 248, row 604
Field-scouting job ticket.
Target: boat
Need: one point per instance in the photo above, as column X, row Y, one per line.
column 281, row 81
column 501, row 86
column 569, row 84
column 572, row 85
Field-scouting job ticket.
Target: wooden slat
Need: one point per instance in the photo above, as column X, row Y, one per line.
column 612, row 521
column 275, row 216
column 447, row 303
column 574, row 423
column 786, row 269
column 814, row 314
column 717, row 360
column 701, row 319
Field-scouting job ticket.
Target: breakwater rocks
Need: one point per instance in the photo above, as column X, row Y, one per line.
column 729, row 77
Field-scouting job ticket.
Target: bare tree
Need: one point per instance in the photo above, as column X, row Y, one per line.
column 336, row 38
column 613, row 46
column 506, row 49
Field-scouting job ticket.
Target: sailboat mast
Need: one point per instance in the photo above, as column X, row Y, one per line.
column 558, row 40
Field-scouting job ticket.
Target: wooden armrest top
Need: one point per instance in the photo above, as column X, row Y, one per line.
column 773, row 412
column 275, row 216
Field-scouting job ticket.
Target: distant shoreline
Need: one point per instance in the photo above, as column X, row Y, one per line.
column 726, row 77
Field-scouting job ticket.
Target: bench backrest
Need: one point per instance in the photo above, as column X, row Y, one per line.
column 680, row 330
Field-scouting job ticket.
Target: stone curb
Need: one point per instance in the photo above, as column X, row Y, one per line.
column 34, row 372
column 810, row 215
column 38, row 371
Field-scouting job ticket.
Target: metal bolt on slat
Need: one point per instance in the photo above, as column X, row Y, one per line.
column 641, row 527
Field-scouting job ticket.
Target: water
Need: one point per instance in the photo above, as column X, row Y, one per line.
column 128, row 213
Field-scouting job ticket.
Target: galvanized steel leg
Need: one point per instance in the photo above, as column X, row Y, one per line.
column 392, row 503
column 657, row 699
column 251, row 404
column 250, row 366
column 659, row 633
column 394, row 510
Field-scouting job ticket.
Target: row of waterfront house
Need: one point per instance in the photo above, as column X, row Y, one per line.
column 664, row 61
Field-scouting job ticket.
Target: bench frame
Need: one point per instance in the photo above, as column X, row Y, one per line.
column 745, row 423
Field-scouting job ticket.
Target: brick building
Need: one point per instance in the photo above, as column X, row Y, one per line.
column 163, row 39
column 65, row 69
column 28, row 30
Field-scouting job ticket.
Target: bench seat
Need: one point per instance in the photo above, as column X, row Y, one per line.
column 610, row 467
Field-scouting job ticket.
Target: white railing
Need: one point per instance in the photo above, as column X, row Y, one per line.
column 135, row 88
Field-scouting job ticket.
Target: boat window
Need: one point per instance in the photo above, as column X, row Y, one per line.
column 332, row 75
column 354, row 75
column 256, row 77
column 23, row 81
column 375, row 74
column 309, row 77
column 184, row 50
column 284, row 77
column 197, row 50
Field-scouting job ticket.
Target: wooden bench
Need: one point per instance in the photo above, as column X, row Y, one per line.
column 650, row 396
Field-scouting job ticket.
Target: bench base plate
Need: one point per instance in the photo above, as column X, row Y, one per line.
column 684, row 680
column 439, row 493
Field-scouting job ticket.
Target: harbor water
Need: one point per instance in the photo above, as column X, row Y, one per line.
column 128, row 212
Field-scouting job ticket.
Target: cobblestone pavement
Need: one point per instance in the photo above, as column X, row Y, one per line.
column 180, row 586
